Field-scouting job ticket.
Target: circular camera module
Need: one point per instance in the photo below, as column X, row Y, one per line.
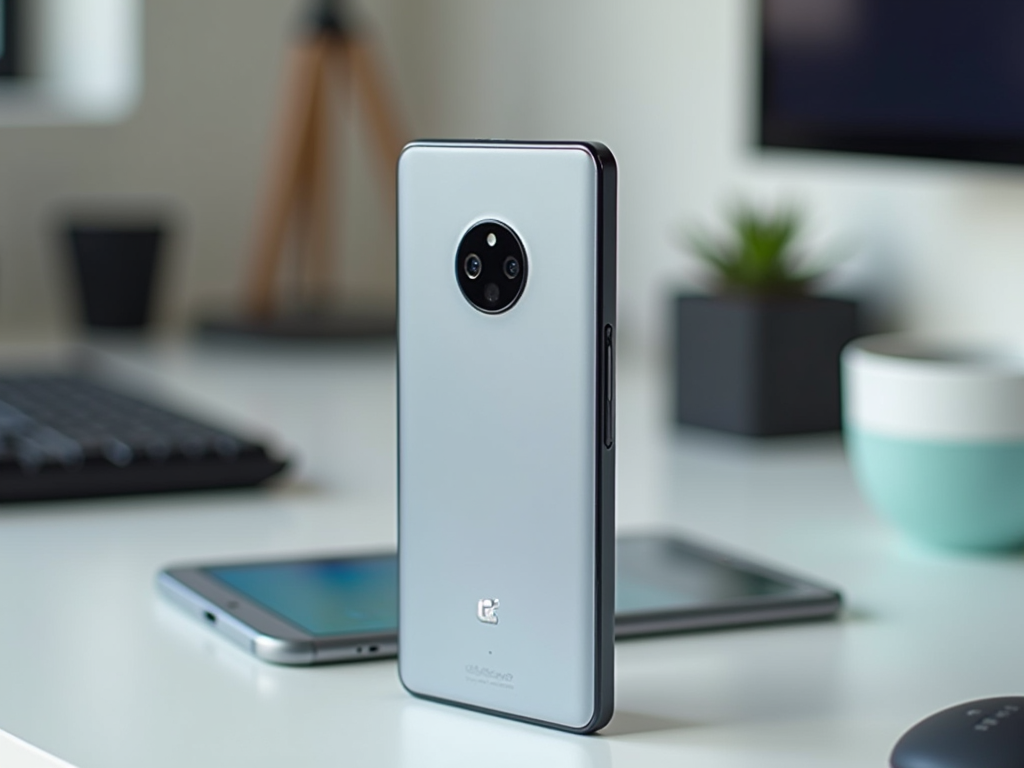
column 491, row 267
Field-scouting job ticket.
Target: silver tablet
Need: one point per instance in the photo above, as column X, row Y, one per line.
column 329, row 609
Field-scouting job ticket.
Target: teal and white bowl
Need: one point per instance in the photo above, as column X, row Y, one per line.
column 935, row 436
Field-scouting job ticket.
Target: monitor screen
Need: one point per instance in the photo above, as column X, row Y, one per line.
column 928, row 78
column 9, row 33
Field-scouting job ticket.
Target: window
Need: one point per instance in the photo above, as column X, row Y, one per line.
column 69, row 61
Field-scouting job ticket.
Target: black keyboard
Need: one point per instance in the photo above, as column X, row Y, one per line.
column 65, row 437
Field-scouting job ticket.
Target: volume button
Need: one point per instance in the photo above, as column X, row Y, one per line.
column 609, row 424
column 609, row 365
column 609, row 388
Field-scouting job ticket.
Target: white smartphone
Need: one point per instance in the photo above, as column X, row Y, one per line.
column 506, row 442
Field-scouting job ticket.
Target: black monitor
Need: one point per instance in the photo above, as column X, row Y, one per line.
column 925, row 78
column 10, row 29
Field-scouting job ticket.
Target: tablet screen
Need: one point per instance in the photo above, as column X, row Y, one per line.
column 328, row 597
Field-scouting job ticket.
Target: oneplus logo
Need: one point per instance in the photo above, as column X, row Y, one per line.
column 485, row 610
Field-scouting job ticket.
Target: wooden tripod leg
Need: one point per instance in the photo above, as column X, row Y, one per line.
column 306, row 75
column 300, row 225
column 383, row 123
column 323, row 194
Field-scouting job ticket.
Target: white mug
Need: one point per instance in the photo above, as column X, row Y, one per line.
column 935, row 436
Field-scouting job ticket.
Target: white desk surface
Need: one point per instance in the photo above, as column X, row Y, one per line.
column 96, row 669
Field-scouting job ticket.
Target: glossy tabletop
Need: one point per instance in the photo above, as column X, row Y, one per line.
column 97, row 670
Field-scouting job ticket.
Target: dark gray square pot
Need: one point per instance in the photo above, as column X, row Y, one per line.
column 760, row 366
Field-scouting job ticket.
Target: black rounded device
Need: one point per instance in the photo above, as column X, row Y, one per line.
column 987, row 733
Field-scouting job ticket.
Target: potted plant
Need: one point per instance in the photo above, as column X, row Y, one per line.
column 760, row 355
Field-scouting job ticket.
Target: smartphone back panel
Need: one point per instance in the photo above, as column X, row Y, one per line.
column 506, row 456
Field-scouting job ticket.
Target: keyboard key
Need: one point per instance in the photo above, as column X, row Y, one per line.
column 118, row 453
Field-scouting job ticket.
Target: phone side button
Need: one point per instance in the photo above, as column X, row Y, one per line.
column 609, row 388
column 609, row 424
column 609, row 365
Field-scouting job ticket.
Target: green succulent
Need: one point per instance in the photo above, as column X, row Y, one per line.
column 759, row 255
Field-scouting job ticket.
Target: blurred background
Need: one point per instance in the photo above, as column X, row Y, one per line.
column 850, row 166
column 175, row 105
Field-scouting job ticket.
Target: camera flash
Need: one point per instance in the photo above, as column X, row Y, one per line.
column 491, row 239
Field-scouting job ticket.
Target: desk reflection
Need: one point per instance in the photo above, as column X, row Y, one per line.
column 438, row 736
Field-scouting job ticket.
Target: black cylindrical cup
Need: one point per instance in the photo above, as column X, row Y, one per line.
column 115, row 267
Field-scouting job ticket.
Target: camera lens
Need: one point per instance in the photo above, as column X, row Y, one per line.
column 491, row 266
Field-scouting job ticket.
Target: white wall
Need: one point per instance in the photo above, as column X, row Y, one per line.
column 666, row 83
column 196, row 147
